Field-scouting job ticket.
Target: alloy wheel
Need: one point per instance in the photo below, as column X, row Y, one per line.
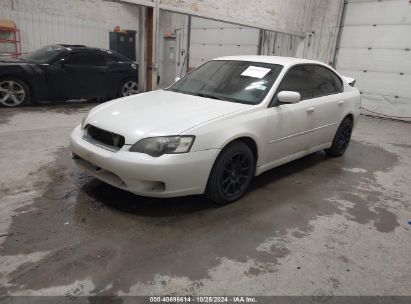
column 129, row 88
column 344, row 138
column 12, row 93
column 235, row 174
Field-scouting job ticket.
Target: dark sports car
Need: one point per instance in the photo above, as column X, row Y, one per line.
column 63, row 72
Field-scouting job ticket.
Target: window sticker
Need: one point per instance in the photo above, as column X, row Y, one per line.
column 256, row 72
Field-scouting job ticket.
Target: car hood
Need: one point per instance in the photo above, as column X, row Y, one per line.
column 8, row 60
column 158, row 113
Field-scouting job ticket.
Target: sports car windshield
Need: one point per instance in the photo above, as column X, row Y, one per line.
column 44, row 55
column 237, row 81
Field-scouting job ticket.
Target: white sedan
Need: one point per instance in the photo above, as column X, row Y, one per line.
column 213, row 130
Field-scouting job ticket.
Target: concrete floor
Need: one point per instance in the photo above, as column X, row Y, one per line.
column 317, row 226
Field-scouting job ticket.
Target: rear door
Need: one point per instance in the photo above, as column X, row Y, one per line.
column 326, row 105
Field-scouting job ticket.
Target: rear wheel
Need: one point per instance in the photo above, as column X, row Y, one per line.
column 128, row 87
column 341, row 139
column 231, row 174
column 13, row 92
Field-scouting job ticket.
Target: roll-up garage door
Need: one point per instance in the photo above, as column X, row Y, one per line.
column 211, row 39
column 375, row 49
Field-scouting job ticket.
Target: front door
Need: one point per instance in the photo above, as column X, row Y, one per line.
column 79, row 75
column 289, row 124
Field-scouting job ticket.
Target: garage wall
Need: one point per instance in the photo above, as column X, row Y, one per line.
column 285, row 15
column 173, row 50
column 375, row 49
column 321, row 31
column 279, row 44
column 211, row 39
column 43, row 22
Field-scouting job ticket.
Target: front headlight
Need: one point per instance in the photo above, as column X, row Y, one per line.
column 157, row 146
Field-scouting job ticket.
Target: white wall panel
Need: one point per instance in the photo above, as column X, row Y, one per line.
column 201, row 53
column 377, row 60
column 385, row 12
column 375, row 49
column 234, row 36
column 381, row 83
column 211, row 39
column 380, row 36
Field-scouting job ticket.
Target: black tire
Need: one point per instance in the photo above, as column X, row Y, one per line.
column 17, row 90
column 231, row 174
column 341, row 139
column 123, row 83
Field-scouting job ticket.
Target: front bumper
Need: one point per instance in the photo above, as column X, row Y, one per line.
column 169, row 175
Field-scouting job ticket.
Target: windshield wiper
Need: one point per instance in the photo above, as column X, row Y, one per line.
column 209, row 96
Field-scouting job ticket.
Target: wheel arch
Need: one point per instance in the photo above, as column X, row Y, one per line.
column 349, row 116
column 19, row 78
column 123, row 81
column 249, row 140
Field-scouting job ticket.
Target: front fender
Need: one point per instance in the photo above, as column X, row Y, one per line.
column 219, row 133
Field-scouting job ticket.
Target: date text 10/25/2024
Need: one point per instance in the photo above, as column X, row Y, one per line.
column 202, row 299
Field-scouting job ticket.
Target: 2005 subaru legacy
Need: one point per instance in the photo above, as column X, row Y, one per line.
column 213, row 130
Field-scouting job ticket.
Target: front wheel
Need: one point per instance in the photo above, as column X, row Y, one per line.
column 231, row 174
column 13, row 92
column 341, row 139
column 128, row 87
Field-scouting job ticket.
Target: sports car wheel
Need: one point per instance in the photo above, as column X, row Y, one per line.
column 231, row 174
column 341, row 139
column 13, row 92
column 129, row 87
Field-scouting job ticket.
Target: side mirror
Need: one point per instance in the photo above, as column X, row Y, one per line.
column 289, row 97
column 177, row 79
column 60, row 63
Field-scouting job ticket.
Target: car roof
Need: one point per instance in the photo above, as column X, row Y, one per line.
column 76, row 47
column 70, row 47
column 285, row 61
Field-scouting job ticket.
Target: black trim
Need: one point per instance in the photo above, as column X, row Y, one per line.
column 106, row 138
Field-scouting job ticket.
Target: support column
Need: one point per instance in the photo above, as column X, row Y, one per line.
column 142, row 50
column 149, row 48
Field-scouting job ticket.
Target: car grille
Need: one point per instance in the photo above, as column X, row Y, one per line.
column 104, row 138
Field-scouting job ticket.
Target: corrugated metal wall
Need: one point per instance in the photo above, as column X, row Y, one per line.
column 279, row 44
column 39, row 29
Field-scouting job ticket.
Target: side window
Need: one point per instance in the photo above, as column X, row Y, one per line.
column 86, row 59
column 297, row 79
column 325, row 82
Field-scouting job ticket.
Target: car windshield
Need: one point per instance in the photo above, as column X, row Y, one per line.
column 45, row 54
column 229, row 80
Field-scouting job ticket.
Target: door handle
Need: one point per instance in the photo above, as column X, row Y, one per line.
column 341, row 102
column 310, row 110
